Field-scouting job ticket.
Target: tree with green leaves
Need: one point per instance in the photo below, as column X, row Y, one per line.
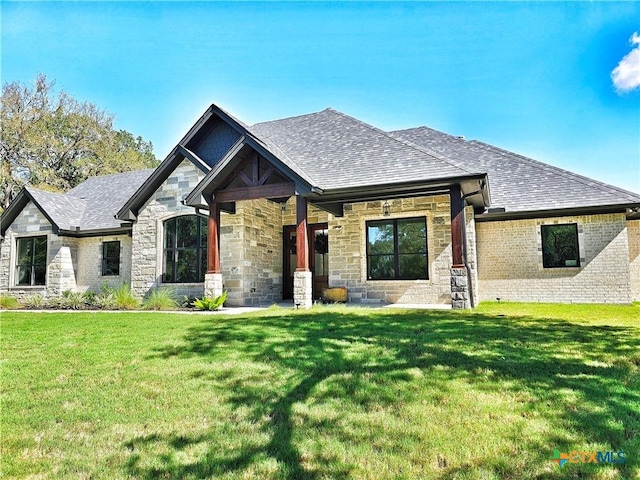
column 54, row 142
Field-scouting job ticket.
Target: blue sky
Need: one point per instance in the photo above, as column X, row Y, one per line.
column 534, row 78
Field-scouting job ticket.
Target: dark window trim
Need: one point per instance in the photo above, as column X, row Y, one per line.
column 577, row 244
column 396, row 254
column 113, row 257
column 201, row 249
column 31, row 265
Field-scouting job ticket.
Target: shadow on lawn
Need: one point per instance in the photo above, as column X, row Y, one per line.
column 317, row 347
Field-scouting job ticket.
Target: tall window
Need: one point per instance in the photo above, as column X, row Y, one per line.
column 185, row 249
column 397, row 249
column 111, row 258
column 560, row 245
column 31, row 264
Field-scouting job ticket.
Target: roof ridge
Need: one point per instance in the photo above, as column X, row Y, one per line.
column 590, row 182
column 290, row 118
column 406, row 142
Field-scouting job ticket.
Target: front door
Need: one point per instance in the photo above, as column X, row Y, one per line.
column 318, row 258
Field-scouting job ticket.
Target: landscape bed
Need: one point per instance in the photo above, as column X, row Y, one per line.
column 333, row 392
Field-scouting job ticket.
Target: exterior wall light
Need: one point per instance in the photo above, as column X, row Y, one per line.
column 385, row 208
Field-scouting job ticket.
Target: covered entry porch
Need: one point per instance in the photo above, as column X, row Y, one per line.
column 297, row 212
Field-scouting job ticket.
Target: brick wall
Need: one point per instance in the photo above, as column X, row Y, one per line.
column 89, row 264
column 633, row 232
column 510, row 262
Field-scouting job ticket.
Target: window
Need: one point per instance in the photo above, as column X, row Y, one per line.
column 185, row 249
column 397, row 249
column 560, row 245
column 111, row 258
column 31, row 264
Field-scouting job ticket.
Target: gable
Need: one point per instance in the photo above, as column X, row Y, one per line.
column 208, row 137
column 214, row 143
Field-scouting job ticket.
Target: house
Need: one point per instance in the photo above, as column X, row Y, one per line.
column 283, row 209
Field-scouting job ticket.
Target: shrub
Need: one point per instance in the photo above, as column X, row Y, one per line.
column 187, row 301
column 71, row 300
column 210, row 303
column 161, row 298
column 36, row 301
column 123, row 298
column 8, row 302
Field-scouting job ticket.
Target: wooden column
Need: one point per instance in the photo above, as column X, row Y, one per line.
column 213, row 238
column 457, row 225
column 302, row 242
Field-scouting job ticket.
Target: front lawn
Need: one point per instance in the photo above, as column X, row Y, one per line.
column 332, row 393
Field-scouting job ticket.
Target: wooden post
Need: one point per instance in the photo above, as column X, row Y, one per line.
column 457, row 225
column 213, row 238
column 302, row 243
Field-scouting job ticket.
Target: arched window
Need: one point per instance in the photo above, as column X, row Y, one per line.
column 185, row 249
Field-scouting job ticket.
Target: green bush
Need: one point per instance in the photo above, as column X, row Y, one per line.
column 161, row 298
column 8, row 302
column 70, row 300
column 36, row 301
column 210, row 303
column 123, row 297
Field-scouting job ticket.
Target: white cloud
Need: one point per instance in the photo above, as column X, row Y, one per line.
column 626, row 76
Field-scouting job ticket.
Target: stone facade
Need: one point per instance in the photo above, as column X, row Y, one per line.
column 633, row 232
column 147, row 234
column 510, row 262
column 347, row 252
column 251, row 253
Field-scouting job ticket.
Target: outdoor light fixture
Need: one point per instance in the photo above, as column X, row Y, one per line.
column 385, row 208
column 283, row 206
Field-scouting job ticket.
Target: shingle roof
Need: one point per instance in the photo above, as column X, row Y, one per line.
column 89, row 206
column 105, row 195
column 518, row 183
column 338, row 151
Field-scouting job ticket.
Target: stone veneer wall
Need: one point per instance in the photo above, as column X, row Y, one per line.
column 347, row 250
column 510, row 262
column 633, row 232
column 472, row 258
column 251, row 253
column 61, row 256
column 147, row 234
column 89, row 262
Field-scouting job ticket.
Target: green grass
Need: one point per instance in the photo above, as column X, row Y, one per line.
column 333, row 393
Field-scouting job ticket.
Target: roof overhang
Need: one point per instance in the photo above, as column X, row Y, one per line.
column 475, row 189
column 632, row 211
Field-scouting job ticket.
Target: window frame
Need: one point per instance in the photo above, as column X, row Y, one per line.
column 106, row 257
column 31, row 265
column 545, row 263
column 174, row 250
column 396, row 252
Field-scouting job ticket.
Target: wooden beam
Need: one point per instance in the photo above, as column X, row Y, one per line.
column 457, row 225
column 302, row 242
column 213, row 238
column 273, row 190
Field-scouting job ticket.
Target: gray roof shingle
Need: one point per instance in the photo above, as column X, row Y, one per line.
column 518, row 183
column 92, row 204
column 338, row 151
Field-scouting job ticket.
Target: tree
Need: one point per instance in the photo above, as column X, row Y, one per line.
column 54, row 142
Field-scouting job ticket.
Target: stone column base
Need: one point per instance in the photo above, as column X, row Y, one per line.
column 460, row 297
column 212, row 284
column 302, row 290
